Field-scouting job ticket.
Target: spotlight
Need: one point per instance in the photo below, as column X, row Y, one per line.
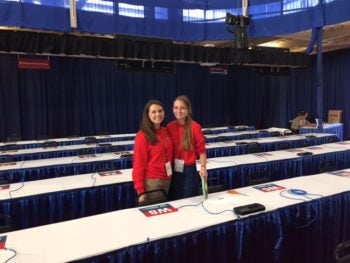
column 240, row 24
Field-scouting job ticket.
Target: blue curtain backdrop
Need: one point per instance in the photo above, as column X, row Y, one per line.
column 81, row 96
column 185, row 20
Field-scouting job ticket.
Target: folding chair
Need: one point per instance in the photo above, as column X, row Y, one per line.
column 342, row 252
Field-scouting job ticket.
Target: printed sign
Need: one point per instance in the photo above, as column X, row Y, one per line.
column 7, row 164
column 2, row 242
column 269, row 187
column 341, row 173
column 109, row 173
column 87, row 156
column 315, row 148
column 4, row 187
column 263, row 154
column 157, row 210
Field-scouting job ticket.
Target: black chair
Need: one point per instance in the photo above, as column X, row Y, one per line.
column 302, row 143
column 104, row 133
column 160, row 198
column 259, row 177
column 275, row 134
column 282, row 145
column 288, row 133
column 49, row 144
column 327, row 166
column 14, row 137
column 90, row 140
column 222, row 139
column 214, row 185
column 6, row 158
column 42, row 137
column 6, row 223
column 332, row 139
column 207, row 132
column 86, row 151
column 245, row 137
column 10, row 147
column 254, row 147
column 342, row 252
column 117, row 148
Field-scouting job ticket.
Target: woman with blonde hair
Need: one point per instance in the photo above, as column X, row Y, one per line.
column 189, row 143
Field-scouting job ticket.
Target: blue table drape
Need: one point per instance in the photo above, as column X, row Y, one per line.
column 69, row 141
column 305, row 232
column 66, row 205
column 45, row 172
column 96, row 149
column 267, row 147
column 32, row 211
column 337, row 129
column 261, row 134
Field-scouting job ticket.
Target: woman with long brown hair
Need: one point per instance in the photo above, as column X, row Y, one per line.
column 153, row 155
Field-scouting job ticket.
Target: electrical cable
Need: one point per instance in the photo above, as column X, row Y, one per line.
column 12, row 250
column 22, row 181
column 305, row 194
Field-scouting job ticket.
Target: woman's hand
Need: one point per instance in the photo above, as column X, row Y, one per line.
column 203, row 172
column 142, row 198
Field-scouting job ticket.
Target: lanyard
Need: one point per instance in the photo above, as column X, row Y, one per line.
column 164, row 144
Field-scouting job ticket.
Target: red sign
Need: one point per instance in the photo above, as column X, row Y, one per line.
column 110, row 173
column 158, row 210
column 269, row 187
column 4, row 187
column 7, row 164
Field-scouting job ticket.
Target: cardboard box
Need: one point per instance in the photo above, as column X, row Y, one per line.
column 335, row 116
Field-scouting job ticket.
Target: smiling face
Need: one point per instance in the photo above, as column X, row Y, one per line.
column 180, row 111
column 156, row 115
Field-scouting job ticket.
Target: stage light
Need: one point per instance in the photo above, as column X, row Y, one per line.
column 240, row 24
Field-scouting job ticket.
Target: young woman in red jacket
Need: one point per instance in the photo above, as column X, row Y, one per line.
column 153, row 155
column 189, row 143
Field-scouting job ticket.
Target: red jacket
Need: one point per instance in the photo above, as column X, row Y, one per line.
column 175, row 131
column 149, row 160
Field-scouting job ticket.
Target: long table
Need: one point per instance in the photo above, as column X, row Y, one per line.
column 68, row 150
column 69, row 141
column 215, row 149
column 291, row 229
column 335, row 128
column 76, row 140
column 55, row 167
column 89, row 194
column 229, row 148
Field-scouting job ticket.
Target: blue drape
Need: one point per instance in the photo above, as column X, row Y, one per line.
column 87, row 96
column 284, row 235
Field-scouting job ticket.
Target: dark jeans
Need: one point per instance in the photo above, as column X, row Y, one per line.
column 185, row 184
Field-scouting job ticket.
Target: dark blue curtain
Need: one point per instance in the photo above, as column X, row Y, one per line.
column 86, row 96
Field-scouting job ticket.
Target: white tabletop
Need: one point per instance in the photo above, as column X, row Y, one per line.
column 96, row 235
column 94, row 179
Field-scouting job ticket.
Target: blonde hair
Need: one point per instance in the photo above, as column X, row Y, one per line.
column 186, row 142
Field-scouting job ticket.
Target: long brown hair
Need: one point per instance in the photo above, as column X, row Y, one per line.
column 146, row 126
column 186, row 142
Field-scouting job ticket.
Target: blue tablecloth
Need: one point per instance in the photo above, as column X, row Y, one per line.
column 33, row 210
column 267, row 147
column 334, row 128
column 284, row 235
column 51, row 171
